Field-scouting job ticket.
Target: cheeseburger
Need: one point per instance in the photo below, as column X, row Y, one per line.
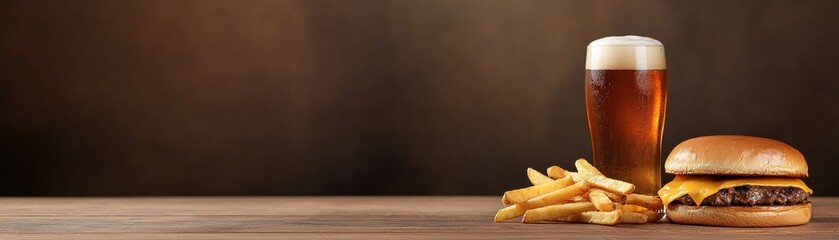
column 736, row 181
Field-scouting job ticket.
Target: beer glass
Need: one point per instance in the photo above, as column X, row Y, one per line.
column 626, row 97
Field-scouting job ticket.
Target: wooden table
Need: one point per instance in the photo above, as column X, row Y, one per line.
column 335, row 217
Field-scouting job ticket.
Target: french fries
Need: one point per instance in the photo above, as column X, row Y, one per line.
column 555, row 211
column 578, row 199
column 510, row 212
column 608, row 184
column 615, row 197
column 585, row 196
column 523, row 194
column 558, row 196
column 596, row 179
column 633, row 217
column 600, row 200
column 537, row 178
column 556, row 172
column 632, row 208
column 652, row 216
column 595, row 217
column 584, row 167
column 651, row 202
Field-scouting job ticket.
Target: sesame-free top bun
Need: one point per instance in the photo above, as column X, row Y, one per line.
column 740, row 216
column 735, row 156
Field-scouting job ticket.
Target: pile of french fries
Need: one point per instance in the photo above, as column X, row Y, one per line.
column 585, row 196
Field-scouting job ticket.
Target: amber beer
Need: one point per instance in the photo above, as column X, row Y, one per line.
column 626, row 96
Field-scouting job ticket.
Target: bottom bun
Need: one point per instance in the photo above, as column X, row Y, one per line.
column 740, row 216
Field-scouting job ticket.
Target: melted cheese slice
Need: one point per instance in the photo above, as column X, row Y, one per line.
column 700, row 187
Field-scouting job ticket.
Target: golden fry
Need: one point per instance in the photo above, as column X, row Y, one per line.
column 653, row 216
column 632, row 208
column 633, row 217
column 523, row 194
column 600, row 200
column 651, row 202
column 601, row 182
column 618, row 198
column 602, row 218
column 584, row 167
column 556, row 172
column 510, row 212
column 555, row 211
column 558, row 196
column 537, row 178
column 578, row 199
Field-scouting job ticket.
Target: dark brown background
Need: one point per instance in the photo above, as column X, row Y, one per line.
column 380, row 97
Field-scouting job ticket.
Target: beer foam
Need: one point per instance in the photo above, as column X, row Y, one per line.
column 625, row 53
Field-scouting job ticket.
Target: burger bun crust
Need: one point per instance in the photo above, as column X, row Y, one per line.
column 732, row 155
column 740, row 216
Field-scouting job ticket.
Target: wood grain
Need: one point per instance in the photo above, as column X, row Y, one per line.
column 333, row 218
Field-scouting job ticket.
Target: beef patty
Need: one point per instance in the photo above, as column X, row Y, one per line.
column 751, row 196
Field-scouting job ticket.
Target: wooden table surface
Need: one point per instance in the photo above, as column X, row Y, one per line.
column 335, row 217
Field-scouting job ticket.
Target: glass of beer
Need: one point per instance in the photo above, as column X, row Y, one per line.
column 626, row 96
